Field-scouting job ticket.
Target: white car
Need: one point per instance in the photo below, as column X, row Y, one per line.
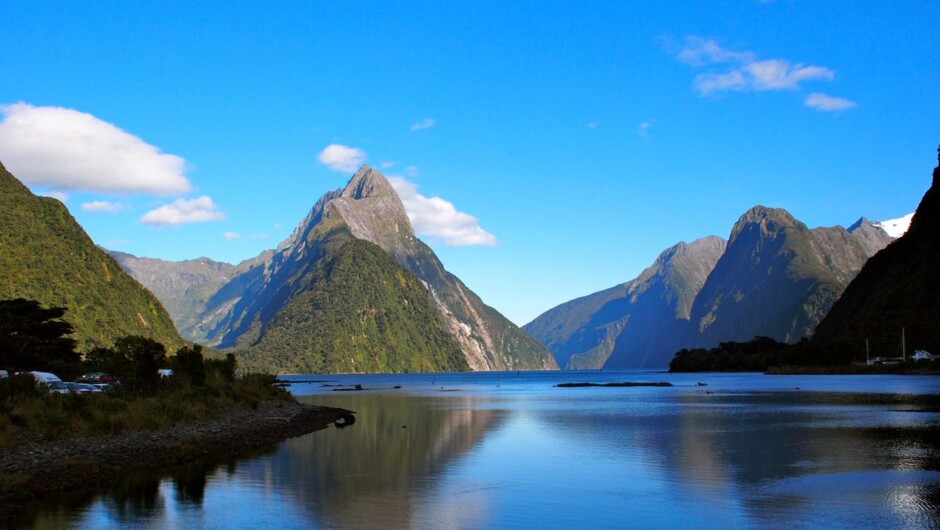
column 51, row 382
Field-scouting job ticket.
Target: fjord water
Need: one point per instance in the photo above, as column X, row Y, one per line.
column 511, row 450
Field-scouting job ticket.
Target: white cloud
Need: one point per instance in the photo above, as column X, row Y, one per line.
column 184, row 211
column 438, row 218
column 820, row 101
column 388, row 164
column 259, row 235
column 340, row 157
column 412, row 170
column 700, row 52
column 103, row 206
column 232, row 235
column 70, row 150
column 777, row 74
column 426, row 123
column 706, row 84
column 643, row 128
column 742, row 71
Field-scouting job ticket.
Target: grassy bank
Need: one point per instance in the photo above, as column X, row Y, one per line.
column 58, row 416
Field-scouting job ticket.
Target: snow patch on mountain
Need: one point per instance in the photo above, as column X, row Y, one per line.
column 895, row 227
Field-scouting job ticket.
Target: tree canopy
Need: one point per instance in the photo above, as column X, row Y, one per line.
column 35, row 338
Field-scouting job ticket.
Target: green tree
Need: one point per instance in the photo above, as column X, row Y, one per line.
column 189, row 363
column 35, row 338
column 145, row 357
column 223, row 368
column 107, row 360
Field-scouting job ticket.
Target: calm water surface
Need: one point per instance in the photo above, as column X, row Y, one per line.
column 509, row 450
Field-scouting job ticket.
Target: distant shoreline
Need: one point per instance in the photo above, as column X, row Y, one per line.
column 37, row 469
column 824, row 370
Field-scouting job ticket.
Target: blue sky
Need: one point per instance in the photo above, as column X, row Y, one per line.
column 546, row 150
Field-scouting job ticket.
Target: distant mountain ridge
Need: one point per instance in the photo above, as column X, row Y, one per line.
column 46, row 256
column 773, row 277
column 253, row 304
column 631, row 321
column 184, row 287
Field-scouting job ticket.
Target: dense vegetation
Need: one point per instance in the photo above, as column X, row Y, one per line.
column 36, row 339
column 46, row 256
column 354, row 310
column 753, row 356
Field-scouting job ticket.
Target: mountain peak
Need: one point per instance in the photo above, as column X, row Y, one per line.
column 374, row 212
column 367, row 182
column 769, row 221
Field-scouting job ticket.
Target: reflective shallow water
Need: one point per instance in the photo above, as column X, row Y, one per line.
column 510, row 450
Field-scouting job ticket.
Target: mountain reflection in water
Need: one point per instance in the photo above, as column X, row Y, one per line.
column 511, row 450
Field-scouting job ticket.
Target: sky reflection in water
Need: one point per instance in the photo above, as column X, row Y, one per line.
column 510, row 450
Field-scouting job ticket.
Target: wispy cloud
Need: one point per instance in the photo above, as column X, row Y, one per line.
column 387, row 164
column 592, row 125
column 643, row 128
column 438, row 218
column 742, row 70
column 426, row 123
column 66, row 149
column 183, row 211
column 103, row 206
column 820, row 101
column 340, row 157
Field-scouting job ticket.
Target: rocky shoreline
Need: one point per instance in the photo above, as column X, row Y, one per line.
column 38, row 469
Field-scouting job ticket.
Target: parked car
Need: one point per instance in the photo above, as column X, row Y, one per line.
column 50, row 382
column 99, row 379
column 82, row 388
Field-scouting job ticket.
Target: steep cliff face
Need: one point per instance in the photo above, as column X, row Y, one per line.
column 632, row 325
column 367, row 209
column 46, row 256
column 899, row 287
column 778, row 278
